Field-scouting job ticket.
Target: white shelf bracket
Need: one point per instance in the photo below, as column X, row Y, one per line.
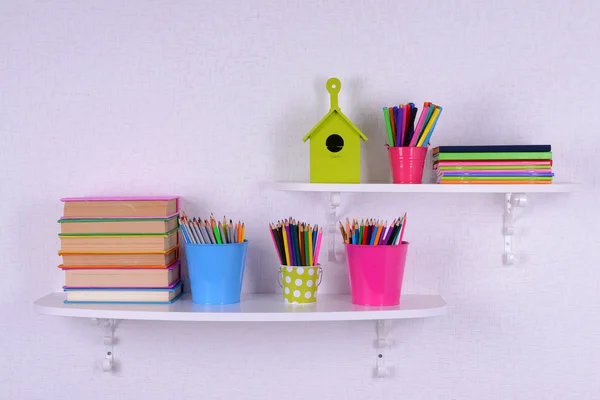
column 382, row 328
column 334, row 207
column 511, row 200
column 108, row 327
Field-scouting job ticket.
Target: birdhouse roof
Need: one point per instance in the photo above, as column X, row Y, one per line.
column 333, row 87
column 329, row 115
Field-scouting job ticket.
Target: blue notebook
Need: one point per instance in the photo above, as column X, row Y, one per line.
column 124, row 295
column 526, row 148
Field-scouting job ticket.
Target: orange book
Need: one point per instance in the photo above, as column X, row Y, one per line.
column 117, row 226
column 114, row 207
column 109, row 243
column 122, row 277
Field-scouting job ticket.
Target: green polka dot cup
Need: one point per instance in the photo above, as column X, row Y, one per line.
column 300, row 283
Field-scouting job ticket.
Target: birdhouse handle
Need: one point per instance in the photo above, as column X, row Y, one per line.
column 334, row 85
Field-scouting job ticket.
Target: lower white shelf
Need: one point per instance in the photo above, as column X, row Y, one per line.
column 253, row 307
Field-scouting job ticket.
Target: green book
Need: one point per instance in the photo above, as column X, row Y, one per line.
column 493, row 156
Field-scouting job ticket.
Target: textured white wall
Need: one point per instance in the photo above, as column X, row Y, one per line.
column 209, row 100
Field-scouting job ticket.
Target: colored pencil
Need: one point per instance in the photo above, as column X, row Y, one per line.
column 422, row 133
column 419, row 127
column 402, row 229
column 276, row 245
column 222, row 233
column 190, row 227
column 183, row 229
column 230, row 229
column 319, row 238
column 361, row 232
column 399, row 124
column 310, row 245
column 290, row 232
column 203, row 227
column 375, row 240
column 286, row 247
column 342, row 232
column 388, row 125
column 392, row 112
column 405, row 119
column 306, row 247
column 372, row 232
column 217, row 234
column 196, row 228
column 297, row 244
column 426, row 141
column 301, row 247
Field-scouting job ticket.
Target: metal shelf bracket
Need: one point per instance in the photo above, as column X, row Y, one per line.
column 108, row 327
column 382, row 328
column 334, row 254
column 511, row 200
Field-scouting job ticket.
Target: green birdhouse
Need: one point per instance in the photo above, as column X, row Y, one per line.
column 334, row 144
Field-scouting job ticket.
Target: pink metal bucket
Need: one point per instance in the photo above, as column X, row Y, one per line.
column 376, row 273
column 407, row 163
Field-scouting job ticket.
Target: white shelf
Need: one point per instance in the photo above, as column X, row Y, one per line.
column 557, row 187
column 253, row 307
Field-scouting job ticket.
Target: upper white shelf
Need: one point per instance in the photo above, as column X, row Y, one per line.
column 556, row 187
column 253, row 307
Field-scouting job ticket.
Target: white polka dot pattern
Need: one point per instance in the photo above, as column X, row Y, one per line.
column 300, row 284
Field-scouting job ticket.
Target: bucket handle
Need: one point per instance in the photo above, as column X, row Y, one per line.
column 280, row 277
column 320, row 273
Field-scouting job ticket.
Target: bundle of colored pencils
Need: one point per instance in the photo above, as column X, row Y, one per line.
column 210, row 231
column 296, row 243
column 373, row 232
column 400, row 124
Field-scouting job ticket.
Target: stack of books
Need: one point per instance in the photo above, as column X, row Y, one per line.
column 121, row 250
column 493, row 164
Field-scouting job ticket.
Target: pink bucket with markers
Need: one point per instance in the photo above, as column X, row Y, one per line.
column 407, row 164
column 376, row 273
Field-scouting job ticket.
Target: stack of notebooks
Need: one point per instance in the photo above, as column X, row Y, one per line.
column 121, row 250
column 525, row 164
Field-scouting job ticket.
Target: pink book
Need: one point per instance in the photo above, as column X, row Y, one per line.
column 120, row 207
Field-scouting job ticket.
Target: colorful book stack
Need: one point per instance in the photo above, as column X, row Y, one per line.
column 121, row 250
column 524, row 164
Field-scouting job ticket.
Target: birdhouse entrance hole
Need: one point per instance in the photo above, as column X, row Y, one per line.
column 334, row 143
